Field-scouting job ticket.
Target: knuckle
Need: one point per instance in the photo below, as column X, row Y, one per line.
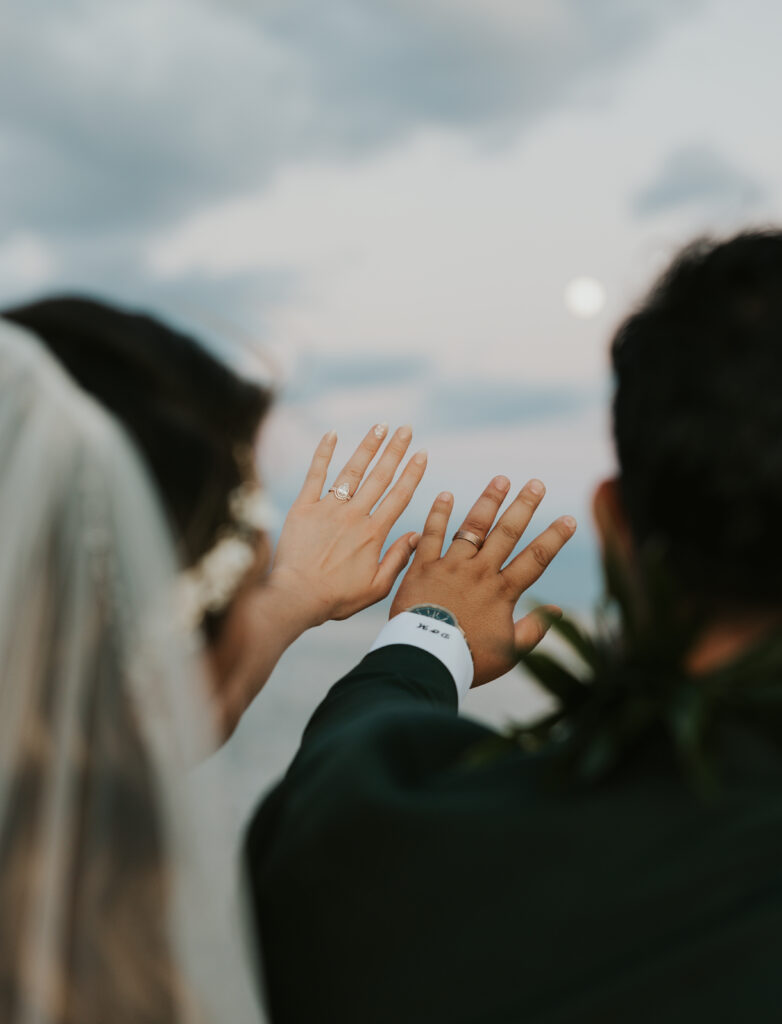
column 396, row 448
column 473, row 525
column 397, row 500
column 532, row 636
column 540, row 629
column 562, row 531
column 384, row 473
column 540, row 554
column 508, row 531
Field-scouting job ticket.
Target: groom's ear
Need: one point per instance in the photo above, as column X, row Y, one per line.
column 611, row 520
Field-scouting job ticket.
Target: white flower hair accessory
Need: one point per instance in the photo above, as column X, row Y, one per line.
column 209, row 586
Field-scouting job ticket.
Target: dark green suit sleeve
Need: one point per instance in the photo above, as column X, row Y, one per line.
column 328, row 850
column 391, row 678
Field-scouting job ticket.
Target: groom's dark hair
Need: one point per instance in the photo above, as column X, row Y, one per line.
column 190, row 415
column 698, row 418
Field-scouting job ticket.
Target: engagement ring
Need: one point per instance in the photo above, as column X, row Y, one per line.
column 341, row 492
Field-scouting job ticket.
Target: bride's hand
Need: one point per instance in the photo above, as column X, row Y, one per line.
column 327, row 564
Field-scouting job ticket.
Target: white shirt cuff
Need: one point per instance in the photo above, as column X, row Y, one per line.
column 445, row 642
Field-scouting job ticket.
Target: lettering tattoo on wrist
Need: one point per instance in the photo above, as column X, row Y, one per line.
column 441, row 616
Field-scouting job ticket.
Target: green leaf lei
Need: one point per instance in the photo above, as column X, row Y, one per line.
column 632, row 686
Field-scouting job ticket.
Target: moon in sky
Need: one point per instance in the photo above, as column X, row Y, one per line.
column 585, row 297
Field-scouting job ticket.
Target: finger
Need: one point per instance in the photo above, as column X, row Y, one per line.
column 480, row 517
column 430, row 544
column 536, row 557
column 381, row 476
column 393, row 562
column 312, row 488
column 529, row 631
column 512, row 523
column 398, row 498
column 354, row 469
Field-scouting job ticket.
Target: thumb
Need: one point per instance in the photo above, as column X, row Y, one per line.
column 529, row 631
column 394, row 561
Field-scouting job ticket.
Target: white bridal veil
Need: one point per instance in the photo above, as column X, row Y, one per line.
column 108, row 906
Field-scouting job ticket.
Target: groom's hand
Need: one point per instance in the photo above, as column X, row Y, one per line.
column 472, row 583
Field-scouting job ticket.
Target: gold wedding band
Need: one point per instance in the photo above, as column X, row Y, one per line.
column 471, row 538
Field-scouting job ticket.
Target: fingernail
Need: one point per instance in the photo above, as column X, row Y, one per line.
column 380, row 430
column 421, row 456
column 405, row 432
column 569, row 522
column 413, row 541
column 331, row 436
column 536, row 486
column 445, row 496
column 501, row 482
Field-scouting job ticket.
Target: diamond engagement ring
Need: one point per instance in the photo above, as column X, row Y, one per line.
column 341, row 492
column 470, row 537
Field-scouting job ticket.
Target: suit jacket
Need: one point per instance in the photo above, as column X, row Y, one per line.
column 398, row 879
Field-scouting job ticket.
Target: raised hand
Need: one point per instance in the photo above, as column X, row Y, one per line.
column 472, row 581
column 327, row 561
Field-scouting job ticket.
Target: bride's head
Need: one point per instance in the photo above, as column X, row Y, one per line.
column 195, row 423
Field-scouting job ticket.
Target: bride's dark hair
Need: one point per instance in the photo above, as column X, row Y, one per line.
column 190, row 415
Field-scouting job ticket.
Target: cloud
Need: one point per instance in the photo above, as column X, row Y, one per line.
column 436, row 405
column 121, row 122
column 465, row 404
column 26, row 263
column 319, row 374
column 697, row 175
column 116, row 116
column 218, row 312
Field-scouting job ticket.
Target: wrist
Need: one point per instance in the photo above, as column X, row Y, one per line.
column 259, row 628
column 434, row 629
column 439, row 614
column 433, row 611
column 292, row 602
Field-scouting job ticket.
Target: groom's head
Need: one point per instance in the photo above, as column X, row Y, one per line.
column 698, row 420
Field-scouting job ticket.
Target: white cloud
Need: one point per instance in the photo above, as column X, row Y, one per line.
column 26, row 263
column 698, row 175
column 435, row 250
column 119, row 114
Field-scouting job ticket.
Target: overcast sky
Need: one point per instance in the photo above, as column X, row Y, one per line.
column 391, row 198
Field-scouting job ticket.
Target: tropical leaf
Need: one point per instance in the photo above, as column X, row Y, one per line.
column 555, row 678
column 584, row 645
column 634, row 684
